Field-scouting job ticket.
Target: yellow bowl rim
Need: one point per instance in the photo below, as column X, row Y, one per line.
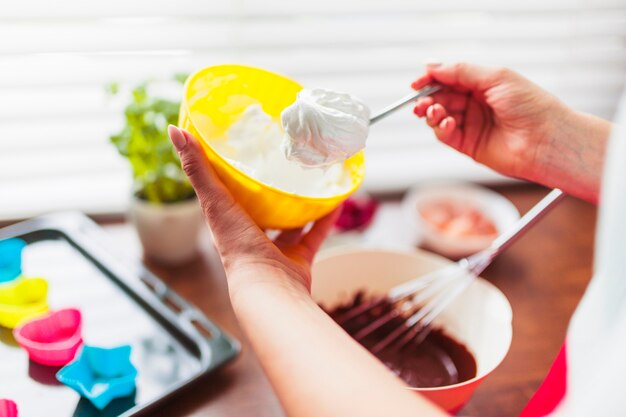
column 197, row 74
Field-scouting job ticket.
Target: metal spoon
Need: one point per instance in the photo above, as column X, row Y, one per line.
column 426, row 91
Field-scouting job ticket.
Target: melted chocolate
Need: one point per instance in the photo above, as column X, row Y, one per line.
column 437, row 361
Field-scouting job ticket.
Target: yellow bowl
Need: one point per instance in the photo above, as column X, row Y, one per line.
column 22, row 299
column 214, row 98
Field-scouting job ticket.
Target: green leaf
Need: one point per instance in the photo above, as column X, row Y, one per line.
column 181, row 77
column 144, row 141
column 112, row 88
column 140, row 93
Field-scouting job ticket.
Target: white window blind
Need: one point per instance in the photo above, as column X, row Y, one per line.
column 56, row 57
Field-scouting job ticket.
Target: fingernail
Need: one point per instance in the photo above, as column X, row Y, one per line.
column 429, row 112
column 432, row 62
column 444, row 124
column 178, row 138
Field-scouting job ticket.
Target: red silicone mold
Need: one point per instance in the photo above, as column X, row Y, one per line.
column 52, row 339
column 8, row 408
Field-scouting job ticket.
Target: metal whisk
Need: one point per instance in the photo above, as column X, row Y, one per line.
column 419, row 301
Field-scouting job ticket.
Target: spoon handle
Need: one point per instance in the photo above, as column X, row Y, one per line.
column 426, row 91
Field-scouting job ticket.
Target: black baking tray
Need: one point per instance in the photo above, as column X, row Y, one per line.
column 173, row 343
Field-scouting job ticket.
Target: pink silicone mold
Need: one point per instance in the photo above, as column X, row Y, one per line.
column 52, row 339
column 8, row 408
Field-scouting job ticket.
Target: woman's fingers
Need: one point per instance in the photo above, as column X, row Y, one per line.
column 448, row 132
column 452, row 101
column 435, row 114
column 447, row 125
column 421, row 82
column 445, row 113
column 422, row 105
column 312, row 241
column 288, row 237
column 234, row 231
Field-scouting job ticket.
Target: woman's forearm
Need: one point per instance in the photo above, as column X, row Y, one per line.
column 572, row 157
column 315, row 368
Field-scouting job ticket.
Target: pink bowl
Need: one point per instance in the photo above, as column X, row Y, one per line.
column 480, row 317
column 8, row 408
column 52, row 339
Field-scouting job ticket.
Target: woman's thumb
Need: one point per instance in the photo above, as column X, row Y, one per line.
column 225, row 217
column 190, row 157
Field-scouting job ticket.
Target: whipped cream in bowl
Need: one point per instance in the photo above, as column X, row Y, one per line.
column 253, row 145
column 324, row 128
column 243, row 144
column 304, row 153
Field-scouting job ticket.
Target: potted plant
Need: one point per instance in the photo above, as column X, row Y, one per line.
column 164, row 208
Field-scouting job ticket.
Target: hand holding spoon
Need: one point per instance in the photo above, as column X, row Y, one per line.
column 426, row 91
column 325, row 127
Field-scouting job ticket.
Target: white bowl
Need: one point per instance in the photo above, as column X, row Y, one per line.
column 480, row 317
column 494, row 206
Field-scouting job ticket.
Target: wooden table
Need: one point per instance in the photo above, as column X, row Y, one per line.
column 543, row 275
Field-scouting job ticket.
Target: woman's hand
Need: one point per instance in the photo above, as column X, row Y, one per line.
column 506, row 122
column 248, row 255
column 315, row 368
column 493, row 115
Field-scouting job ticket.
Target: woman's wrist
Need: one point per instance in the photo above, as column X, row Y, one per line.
column 571, row 153
column 244, row 285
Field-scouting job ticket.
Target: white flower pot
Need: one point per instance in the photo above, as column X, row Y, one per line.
column 169, row 233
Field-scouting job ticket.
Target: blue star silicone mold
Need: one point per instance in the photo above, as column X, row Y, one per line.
column 101, row 374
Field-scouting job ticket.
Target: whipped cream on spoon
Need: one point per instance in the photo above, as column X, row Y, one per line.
column 325, row 127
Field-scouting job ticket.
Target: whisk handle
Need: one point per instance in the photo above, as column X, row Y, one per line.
column 479, row 261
